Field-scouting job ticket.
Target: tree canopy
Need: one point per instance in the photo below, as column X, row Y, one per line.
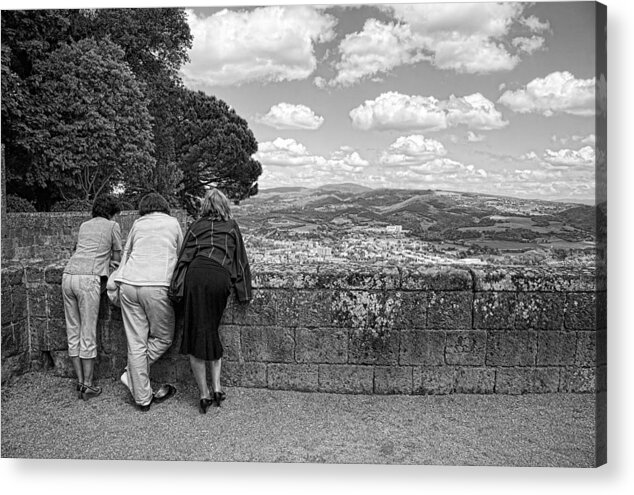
column 92, row 101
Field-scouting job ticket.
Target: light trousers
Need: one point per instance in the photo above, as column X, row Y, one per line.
column 148, row 319
column 81, row 294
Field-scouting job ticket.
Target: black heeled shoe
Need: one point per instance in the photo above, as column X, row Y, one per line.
column 79, row 387
column 218, row 398
column 88, row 392
column 204, row 405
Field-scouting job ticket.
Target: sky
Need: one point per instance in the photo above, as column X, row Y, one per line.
column 496, row 98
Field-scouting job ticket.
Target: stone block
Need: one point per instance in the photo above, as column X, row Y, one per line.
column 53, row 273
column 55, row 337
column 19, row 303
column 529, row 279
column 11, row 275
column 14, row 339
column 586, row 311
column 167, row 369
column 413, row 311
column 546, row 380
column 466, row 348
column 451, row 310
column 269, row 344
column 346, row 378
column 511, row 348
column 494, row 310
column 7, row 307
column 376, row 311
column 540, row 311
column 434, row 380
column 393, row 379
column 587, row 349
column 475, row 381
column 37, row 301
column 436, row 278
column 370, row 346
column 321, row 345
column 578, row 380
column 304, row 308
column 358, row 277
column 423, row 348
column 38, row 330
column 301, row 377
column 514, row 381
column 261, row 311
column 235, row 374
column 230, row 336
column 55, row 301
column 556, row 348
column 62, row 363
column 34, row 273
column 111, row 337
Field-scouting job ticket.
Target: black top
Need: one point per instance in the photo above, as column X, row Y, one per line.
column 220, row 241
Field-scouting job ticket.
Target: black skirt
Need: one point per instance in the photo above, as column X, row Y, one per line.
column 207, row 288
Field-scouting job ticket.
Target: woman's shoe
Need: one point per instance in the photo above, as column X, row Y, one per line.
column 204, row 405
column 88, row 392
column 219, row 397
column 78, row 387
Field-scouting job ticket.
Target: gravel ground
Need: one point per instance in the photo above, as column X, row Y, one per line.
column 42, row 418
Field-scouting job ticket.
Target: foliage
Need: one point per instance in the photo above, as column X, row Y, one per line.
column 72, row 205
column 192, row 140
column 89, row 126
column 214, row 146
column 17, row 204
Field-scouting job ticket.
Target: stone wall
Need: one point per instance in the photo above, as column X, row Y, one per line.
column 51, row 236
column 436, row 330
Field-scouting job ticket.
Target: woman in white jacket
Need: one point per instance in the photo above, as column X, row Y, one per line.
column 149, row 258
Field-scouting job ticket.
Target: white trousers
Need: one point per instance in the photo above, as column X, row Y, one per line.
column 148, row 319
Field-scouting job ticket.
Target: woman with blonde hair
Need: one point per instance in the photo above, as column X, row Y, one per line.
column 217, row 259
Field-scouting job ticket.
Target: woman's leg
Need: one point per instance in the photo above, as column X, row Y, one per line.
column 215, row 375
column 199, row 370
column 137, row 329
column 73, row 324
column 88, row 365
column 89, row 300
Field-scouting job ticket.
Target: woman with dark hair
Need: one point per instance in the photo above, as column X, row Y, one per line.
column 98, row 246
column 148, row 261
column 217, row 260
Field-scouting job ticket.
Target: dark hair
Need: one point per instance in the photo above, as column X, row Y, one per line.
column 105, row 206
column 153, row 202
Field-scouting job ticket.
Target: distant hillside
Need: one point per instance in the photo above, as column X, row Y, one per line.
column 346, row 187
column 437, row 216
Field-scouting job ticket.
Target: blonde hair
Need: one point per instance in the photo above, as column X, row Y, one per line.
column 216, row 205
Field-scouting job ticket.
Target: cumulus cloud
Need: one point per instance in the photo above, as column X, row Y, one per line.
column 534, row 24
column 288, row 116
column 289, row 153
column 467, row 38
column 379, row 47
column 286, row 153
column 529, row 45
column 267, row 44
column 474, row 111
column 570, row 158
column 472, row 137
column 558, row 92
column 394, row 110
column 412, row 150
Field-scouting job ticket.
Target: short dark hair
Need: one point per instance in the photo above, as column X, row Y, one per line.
column 105, row 206
column 153, row 202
